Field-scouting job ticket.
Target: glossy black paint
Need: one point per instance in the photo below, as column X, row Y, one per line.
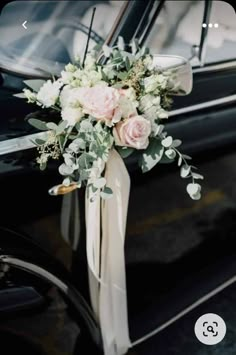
column 22, row 184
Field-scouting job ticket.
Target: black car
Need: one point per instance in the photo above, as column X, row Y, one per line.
column 39, row 298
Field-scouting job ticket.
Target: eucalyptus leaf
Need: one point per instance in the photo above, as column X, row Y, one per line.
column 41, row 125
column 99, row 183
column 165, row 160
column 122, row 75
column 43, row 166
column 104, row 76
column 170, row 153
column 20, row 95
column 176, row 143
column 52, row 126
column 167, row 142
column 106, row 50
column 65, row 169
column 152, row 155
column 127, row 64
column 184, row 171
column 34, row 84
column 187, row 157
column 106, row 193
column 125, row 152
column 61, row 127
column 85, row 160
column 121, row 43
column 39, row 141
column 197, row 176
column 69, row 160
column 80, row 143
column 66, row 181
column 86, row 126
column 180, row 160
column 134, row 46
column 94, row 189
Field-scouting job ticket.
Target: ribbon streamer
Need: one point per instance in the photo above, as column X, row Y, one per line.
column 70, row 223
column 107, row 277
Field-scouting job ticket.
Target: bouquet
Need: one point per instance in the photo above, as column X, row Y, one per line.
column 106, row 109
column 121, row 104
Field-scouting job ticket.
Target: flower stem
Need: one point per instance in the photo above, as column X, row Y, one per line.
column 89, row 35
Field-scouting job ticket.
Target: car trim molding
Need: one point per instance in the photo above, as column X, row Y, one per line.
column 204, row 105
column 186, row 310
column 214, row 67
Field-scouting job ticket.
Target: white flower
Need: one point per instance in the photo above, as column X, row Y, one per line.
column 71, row 68
column 88, row 78
column 194, row 191
column 30, row 95
column 130, row 93
column 71, row 115
column 155, row 82
column 90, row 62
column 162, row 114
column 148, row 101
column 69, row 97
column 67, row 77
column 149, row 63
column 149, row 105
column 150, row 83
column 49, row 93
column 126, row 108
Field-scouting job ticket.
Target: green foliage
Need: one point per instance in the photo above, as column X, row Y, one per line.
column 152, row 155
column 34, row 84
column 41, row 125
column 84, row 142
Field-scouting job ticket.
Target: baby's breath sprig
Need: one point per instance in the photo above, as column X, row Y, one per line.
column 47, row 150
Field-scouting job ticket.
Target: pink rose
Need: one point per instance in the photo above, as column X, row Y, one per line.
column 99, row 101
column 133, row 132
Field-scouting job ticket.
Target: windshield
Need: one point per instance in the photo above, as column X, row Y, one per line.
column 40, row 37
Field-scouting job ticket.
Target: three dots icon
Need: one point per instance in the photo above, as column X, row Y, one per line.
column 210, row 25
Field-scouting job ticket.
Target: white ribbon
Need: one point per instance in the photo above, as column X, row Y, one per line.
column 70, row 224
column 107, row 269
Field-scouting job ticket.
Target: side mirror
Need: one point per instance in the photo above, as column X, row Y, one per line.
column 180, row 71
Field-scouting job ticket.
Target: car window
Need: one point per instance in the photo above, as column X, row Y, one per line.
column 54, row 34
column 179, row 24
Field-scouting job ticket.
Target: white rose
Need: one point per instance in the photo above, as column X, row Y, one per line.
column 49, row 93
column 71, row 115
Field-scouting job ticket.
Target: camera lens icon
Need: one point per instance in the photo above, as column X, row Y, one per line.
column 210, row 329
